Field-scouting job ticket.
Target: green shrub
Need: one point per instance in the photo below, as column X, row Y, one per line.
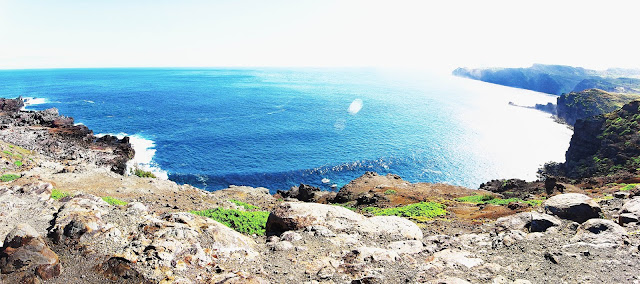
column 143, row 174
column 422, row 209
column 345, row 205
column 9, row 177
column 390, row 192
column 18, row 163
column 58, row 194
column 245, row 205
column 246, row 222
column 113, row 200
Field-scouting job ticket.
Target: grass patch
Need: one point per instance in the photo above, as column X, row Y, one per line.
column 345, row 206
column 245, row 205
column 422, row 209
column 143, row 174
column 113, row 201
column 58, row 194
column 390, row 192
column 489, row 199
column 9, row 177
column 476, row 198
column 18, row 163
column 629, row 187
column 246, row 222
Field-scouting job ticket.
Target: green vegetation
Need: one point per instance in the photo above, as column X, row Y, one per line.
column 629, row 187
column 113, row 201
column 390, row 192
column 245, row 205
column 422, row 209
column 58, row 194
column 246, row 222
column 489, row 199
column 9, row 177
column 142, row 174
column 345, row 205
column 7, row 152
column 18, row 163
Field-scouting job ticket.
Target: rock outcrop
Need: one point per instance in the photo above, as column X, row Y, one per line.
column 605, row 144
column 588, row 103
column 58, row 137
column 25, row 255
column 572, row 206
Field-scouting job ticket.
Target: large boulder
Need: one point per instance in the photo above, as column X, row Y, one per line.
column 572, row 206
column 530, row 221
column 26, row 255
column 600, row 232
column 295, row 216
column 630, row 211
column 79, row 218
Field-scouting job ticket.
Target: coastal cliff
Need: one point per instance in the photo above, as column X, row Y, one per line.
column 588, row 103
column 73, row 219
column 606, row 144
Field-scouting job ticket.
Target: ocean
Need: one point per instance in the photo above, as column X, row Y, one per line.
column 279, row 127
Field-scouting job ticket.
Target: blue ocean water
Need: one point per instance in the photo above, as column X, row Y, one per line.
column 278, row 127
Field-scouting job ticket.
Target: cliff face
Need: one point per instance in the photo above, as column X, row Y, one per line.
column 555, row 79
column 587, row 103
column 605, row 144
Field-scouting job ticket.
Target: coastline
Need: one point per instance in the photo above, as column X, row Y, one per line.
column 97, row 226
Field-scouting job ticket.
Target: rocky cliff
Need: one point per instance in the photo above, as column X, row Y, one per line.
column 587, row 103
column 605, row 144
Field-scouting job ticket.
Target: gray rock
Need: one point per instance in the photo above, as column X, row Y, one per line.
column 632, row 207
column 621, row 194
column 572, row 206
column 409, row 247
column 530, row 221
column 600, row 232
column 295, row 216
column 25, row 251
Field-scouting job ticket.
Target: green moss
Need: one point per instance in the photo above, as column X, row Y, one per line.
column 246, row 222
column 629, row 187
column 475, row 198
column 18, row 163
column 422, row 209
column 245, row 205
column 58, row 194
column 9, row 177
column 7, row 152
column 345, row 205
column 488, row 199
column 390, row 192
column 113, row 200
column 143, row 174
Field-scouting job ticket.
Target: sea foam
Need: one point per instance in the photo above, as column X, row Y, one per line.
column 29, row 101
column 144, row 151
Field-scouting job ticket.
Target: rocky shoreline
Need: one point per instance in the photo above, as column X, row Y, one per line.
column 68, row 215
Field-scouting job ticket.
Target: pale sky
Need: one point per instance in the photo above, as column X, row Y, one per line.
column 398, row 33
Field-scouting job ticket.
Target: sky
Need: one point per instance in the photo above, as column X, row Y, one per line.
column 328, row 33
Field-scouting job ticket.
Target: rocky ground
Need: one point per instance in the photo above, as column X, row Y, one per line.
column 580, row 233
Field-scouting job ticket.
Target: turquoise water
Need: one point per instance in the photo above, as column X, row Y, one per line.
column 280, row 127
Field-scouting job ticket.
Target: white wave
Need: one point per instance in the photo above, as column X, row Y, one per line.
column 88, row 101
column 143, row 159
column 326, row 180
column 30, row 101
column 355, row 107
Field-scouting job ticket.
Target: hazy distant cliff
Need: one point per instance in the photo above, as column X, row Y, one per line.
column 556, row 79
